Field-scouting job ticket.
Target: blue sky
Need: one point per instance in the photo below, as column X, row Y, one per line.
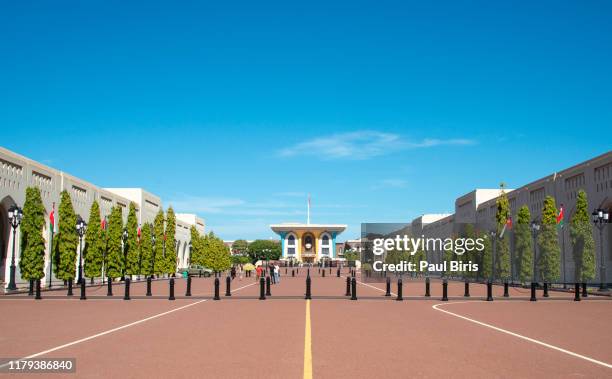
column 237, row 110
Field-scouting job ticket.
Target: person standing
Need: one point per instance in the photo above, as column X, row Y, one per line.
column 277, row 273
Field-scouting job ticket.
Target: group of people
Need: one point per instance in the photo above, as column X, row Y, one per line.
column 273, row 270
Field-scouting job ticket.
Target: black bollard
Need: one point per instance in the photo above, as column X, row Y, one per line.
column 353, row 289
column 188, row 290
column 545, row 290
column 262, row 291
column 149, row 293
column 584, row 290
column 348, row 286
column 323, row 273
column 445, row 290
column 427, row 293
column 38, row 297
column 126, row 294
column 217, row 297
column 308, row 294
column 576, row 292
column 533, row 292
column 489, row 291
column 69, row 287
column 388, row 292
column 171, row 297
column 268, row 293
column 297, row 271
column 330, row 270
column 285, row 270
column 400, row 296
column 466, row 293
column 228, row 288
column 338, row 273
column 109, row 291
column 506, row 293
column 31, row 290
column 292, row 273
column 83, row 295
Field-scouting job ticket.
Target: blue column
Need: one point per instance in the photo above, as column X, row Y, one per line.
column 282, row 236
column 332, row 252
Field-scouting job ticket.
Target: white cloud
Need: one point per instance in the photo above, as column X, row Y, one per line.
column 390, row 183
column 361, row 145
column 204, row 204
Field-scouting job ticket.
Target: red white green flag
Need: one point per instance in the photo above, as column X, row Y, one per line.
column 507, row 225
column 52, row 220
column 560, row 217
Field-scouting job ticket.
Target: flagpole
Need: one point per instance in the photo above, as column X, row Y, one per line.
column 51, row 232
column 308, row 219
column 51, row 257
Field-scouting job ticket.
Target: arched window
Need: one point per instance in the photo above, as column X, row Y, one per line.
column 291, row 244
column 325, row 244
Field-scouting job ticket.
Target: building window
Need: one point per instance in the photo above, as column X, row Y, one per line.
column 291, row 244
column 325, row 243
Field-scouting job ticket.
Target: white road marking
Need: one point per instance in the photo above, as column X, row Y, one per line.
column 537, row 342
column 118, row 328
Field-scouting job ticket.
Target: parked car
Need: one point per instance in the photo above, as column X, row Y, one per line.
column 197, row 270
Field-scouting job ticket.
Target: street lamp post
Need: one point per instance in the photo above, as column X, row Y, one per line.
column 152, row 256
column 535, row 229
column 81, row 226
column 15, row 215
column 493, row 235
column 189, row 257
column 104, row 226
column 124, row 237
column 601, row 217
column 139, row 256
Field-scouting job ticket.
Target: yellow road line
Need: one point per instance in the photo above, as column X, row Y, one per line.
column 307, row 345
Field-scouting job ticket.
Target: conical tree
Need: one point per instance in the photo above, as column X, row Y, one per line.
column 114, row 255
column 171, row 254
column 94, row 243
column 417, row 258
column 159, row 248
column 503, row 244
column 523, row 245
column 133, row 250
column 549, row 262
column 484, row 268
column 216, row 254
column 32, row 259
column 146, row 250
column 448, row 256
column 196, row 256
column 66, row 240
column 583, row 244
column 468, row 256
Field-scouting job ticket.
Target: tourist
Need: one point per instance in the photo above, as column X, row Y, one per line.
column 277, row 273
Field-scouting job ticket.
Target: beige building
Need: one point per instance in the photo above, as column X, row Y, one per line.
column 479, row 206
column 18, row 172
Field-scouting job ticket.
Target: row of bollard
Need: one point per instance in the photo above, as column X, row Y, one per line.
column 265, row 290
